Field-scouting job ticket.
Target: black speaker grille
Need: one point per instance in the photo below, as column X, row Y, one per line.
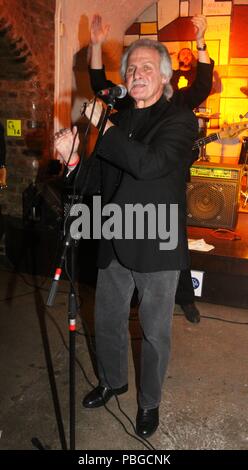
column 212, row 203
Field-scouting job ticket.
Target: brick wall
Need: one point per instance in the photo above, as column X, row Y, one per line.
column 26, row 91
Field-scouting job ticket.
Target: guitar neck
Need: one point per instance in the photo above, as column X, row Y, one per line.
column 205, row 140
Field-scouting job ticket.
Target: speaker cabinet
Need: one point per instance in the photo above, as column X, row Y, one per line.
column 213, row 195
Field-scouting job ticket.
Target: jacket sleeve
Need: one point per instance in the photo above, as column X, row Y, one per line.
column 98, row 79
column 171, row 142
column 200, row 88
column 85, row 179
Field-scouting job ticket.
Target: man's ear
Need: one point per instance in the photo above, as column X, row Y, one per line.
column 164, row 79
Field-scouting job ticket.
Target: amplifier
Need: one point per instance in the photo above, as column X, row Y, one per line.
column 213, row 195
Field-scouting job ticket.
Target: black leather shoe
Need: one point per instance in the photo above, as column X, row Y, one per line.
column 147, row 422
column 101, row 395
column 191, row 312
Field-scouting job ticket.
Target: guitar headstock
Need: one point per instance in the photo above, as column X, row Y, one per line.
column 229, row 131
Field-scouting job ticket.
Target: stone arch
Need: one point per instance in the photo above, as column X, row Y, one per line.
column 25, row 39
column 17, row 60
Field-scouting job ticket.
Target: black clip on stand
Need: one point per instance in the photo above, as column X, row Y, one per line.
column 69, row 242
column 107, row 111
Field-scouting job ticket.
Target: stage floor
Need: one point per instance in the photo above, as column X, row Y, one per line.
column 225, row 267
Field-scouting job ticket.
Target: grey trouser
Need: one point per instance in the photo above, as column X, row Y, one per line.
column 157, row 290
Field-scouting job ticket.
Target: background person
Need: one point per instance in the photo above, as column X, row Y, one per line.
column 186, row 73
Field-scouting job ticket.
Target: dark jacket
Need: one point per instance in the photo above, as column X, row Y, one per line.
column 144, row 160
column 151, row 169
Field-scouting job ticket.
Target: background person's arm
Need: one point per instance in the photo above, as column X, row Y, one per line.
column 98, row 35
column 202, row 84
column 200, row 25
column 98, row 79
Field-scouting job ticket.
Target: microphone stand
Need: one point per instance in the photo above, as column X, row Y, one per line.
column 107, row 111
column 71, row 243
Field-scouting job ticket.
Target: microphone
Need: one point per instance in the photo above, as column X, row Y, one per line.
column 118, row 91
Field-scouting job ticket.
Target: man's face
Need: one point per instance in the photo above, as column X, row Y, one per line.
column 185, row 57
column 143, row 77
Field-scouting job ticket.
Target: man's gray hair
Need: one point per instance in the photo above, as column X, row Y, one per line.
column 165, row 61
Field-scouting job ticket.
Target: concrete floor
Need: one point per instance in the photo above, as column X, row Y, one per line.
column 205, row 397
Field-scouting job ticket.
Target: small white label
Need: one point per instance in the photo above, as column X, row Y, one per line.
column 197, row 281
